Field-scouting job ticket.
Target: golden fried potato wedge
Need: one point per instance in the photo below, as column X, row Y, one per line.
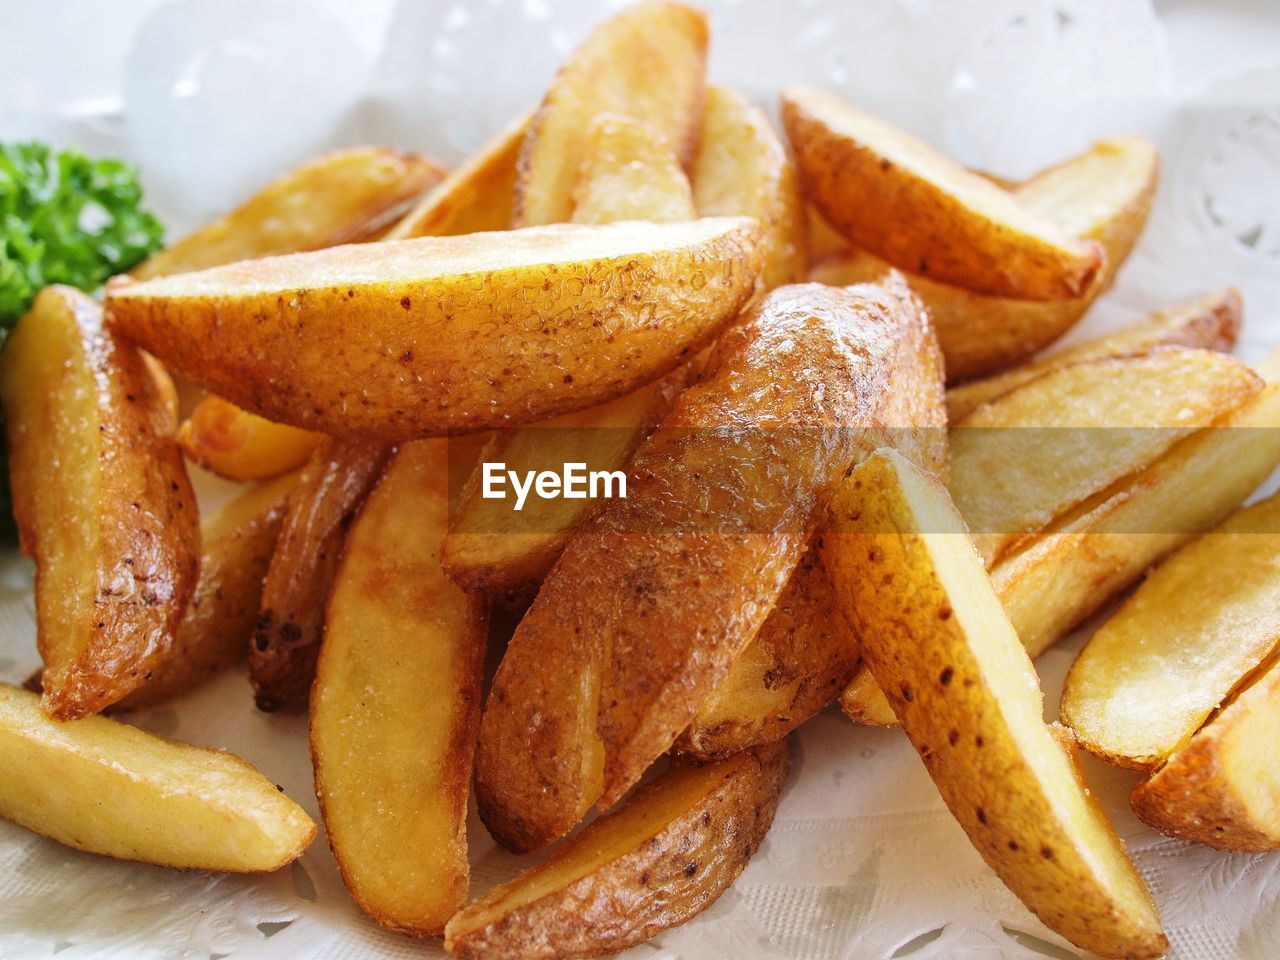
column 662, row 858
column 1106, row 544
column 286, row 639
column 236, row 546
column 864, row 702
column 106, row 787
column 654, row 597
column 942, row 648
column 1222, row 789
column 647, row 62
column 477, row 197
column 502, row 553
column 341, row 197
column 803, row 656
column 897, row 198
column 1209, row 322
column 1024, row 459
column 1103, row 194
column 1199, row 624
column 744, row 170
column 396, row 703
column 101, row 498
column 630, row 172
column 239, row 445
column 392, row 341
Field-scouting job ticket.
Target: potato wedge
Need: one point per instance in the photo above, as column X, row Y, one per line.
column 656, row 594
column 1221, row 789
column 864, row 702
column 803, row 656
column 239, row 445
column 1209, row 322
column 106, row 787
column 823, row 240
column 102, row 502
column 1105, row 545
column 572, row 316
column 744, row 170
column 503, row 554
column 1200, row 623
column 397, row 701
column 630, row 172
column 236, row 546
column 897, row 198
column 942, row 648
column 341, row 197
column 477, row 197
column 1028, row 456
column 647, row 62
column 286, row 639
column 1103, row 194
column 662, row 858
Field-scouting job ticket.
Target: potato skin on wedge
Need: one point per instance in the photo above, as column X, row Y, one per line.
column 286, row 639
column 106, row 787
column 1223, row 788
column 899, row 199
column 657, row 594
column 647, row 62
column 943, row 650
column 396, row 703
column 101, row 498
column 662, row 858
column 391, row 341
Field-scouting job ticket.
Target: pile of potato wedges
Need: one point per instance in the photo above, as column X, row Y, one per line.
column 853, row 477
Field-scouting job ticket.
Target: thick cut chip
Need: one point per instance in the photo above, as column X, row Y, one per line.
column 647, row 62
column 630, row 172
column 897, row 198
column 1196, row 627
column 239, row 445
column 658, row 593
column 106, row 787
column 448, row 334
column 396, row 703
column 662, row 858
column 101, row 499
column 941, row 646
column 864, row 702
column 342, row 197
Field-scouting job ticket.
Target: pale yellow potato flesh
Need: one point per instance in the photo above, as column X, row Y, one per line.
column 864, row 702
column 290, row 624
column 1103, row 194
column 1106, row 545
column 477, row 197
column 941, row 646
column 391, row 340
column 341, row 197
column 106, row 787
column 1209, row 322
column 647, row 62
column 101, row 499
column 899, row 199
column 663, row 857
column 743, row 169
column 240, row 445
column 236, row 546
column 630, row 172
column 1199, row 624
column 396, row 703
column 656, row 595
column 504, row 554
column 1025, row 458
column 1223, row 788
